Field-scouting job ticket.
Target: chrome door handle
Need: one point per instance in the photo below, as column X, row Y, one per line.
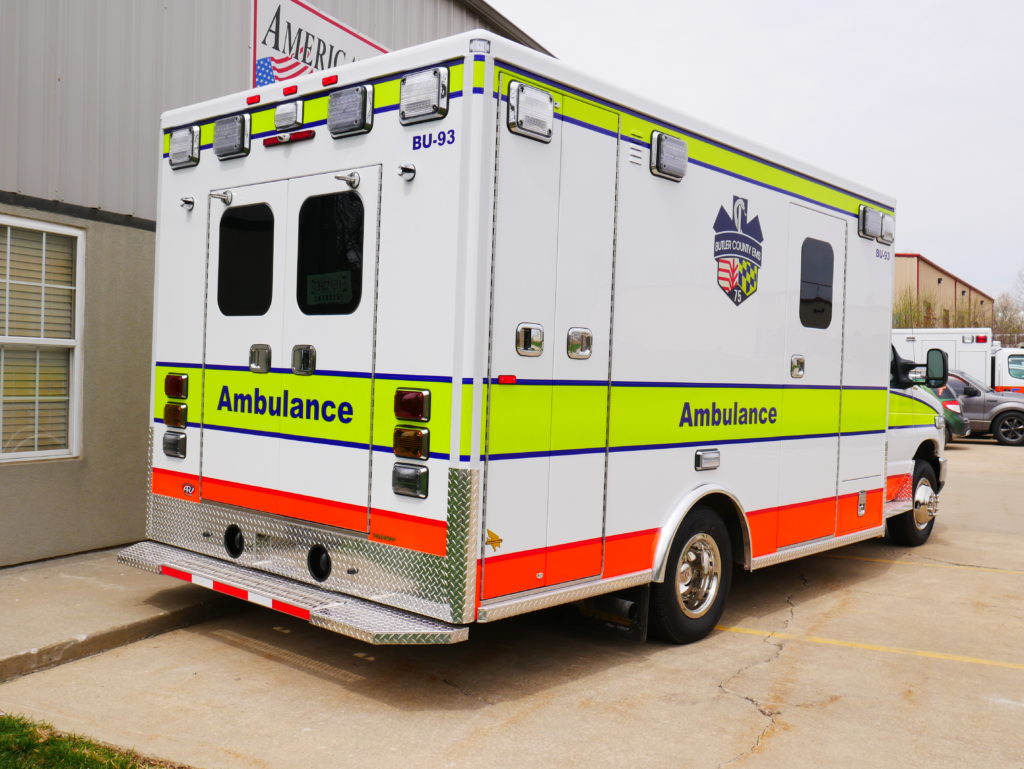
column 303, row 359
column 259, row 358
column 796, row 366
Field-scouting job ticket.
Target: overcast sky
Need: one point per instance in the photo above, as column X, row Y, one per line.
column 920, row 100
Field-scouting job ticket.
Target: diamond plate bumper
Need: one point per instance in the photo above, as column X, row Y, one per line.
column 353, row 617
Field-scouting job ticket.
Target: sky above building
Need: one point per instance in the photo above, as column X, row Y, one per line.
column 921, row 100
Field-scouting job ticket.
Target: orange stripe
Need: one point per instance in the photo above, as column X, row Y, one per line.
column 775, row 527
column 422, row 534
column 894, row 483
column 850, row 522
column 169, row 483
column 626, row 553
column 806, row 521
column 513, row 573
column 327, row 512
column 574, row 560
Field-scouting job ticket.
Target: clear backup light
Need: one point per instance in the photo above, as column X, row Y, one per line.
column 288, row 115
column 531, row 111
column 870, row 224
column 888, row 229
column 967, row 339
column 669, row 156
column 350, row 111
column 231, row 137
column 184, row 147
column 424, row 96
column 409, row 480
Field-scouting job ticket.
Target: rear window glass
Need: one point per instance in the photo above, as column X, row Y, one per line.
column 1015, row 366
column 245, row 269
column 816, row 265
column 330, row 262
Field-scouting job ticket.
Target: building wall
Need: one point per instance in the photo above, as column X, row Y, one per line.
column 945, row 299
column 84, row 83
column 56, row 506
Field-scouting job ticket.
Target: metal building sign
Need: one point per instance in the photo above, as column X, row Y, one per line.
column 292, row 38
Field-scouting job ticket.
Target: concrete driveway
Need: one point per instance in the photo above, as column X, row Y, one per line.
column 871, row 656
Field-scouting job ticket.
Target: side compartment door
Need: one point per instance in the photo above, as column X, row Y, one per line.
column 327, row 346
column 244, row 304
column 814, row 334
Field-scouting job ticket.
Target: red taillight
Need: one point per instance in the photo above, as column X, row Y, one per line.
column 981, row 338
column 412, row 442
column 952, row 405
column 330, row 80
column 290, row 89
column 412, row 404
column 176, row 386
column 297, row 136
column 254, row 99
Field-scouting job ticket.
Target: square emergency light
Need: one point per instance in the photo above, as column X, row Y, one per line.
column 870, row 223
column 424, row 96
column 184, row 147
column 350, row 111
column 410, row 480
column 888, row 229
column 531, row 111
column 231, row 137
column 288, row 115
column 669, row 156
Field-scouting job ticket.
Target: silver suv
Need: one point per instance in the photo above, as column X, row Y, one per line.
column 988, row 411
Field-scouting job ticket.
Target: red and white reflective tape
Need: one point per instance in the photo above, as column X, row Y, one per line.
column 236, row 592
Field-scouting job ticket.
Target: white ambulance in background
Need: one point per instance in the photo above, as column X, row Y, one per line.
column 459, row 332
column 972, row 350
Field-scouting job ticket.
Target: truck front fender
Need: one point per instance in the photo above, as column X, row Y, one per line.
column 724, row 503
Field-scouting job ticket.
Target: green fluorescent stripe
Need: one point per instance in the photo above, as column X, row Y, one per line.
column 479, row 69
column 906, row 412
column 719, row 157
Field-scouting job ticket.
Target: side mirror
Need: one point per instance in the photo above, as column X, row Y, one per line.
column 971, row 392
column 936, row 368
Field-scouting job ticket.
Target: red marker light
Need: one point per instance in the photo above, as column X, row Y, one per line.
column 290, row 89
column 507, row 379
column 254, row 99
column 981, row 338
column 298, row 136
column 176, row 386
column 413, row 405
column 330, row 80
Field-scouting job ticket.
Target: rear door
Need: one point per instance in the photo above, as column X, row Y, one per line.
column 288, row 377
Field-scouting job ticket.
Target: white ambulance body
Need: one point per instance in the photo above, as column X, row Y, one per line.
column 474, row 348
column 971, row 350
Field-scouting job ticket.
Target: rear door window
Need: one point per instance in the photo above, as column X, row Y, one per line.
column 245, row 264
column 330, row 259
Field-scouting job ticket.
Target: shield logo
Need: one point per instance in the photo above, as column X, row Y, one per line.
column 738, row 251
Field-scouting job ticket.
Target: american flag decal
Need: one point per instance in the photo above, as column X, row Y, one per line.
column 272, row 69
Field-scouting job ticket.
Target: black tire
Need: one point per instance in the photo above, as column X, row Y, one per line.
column 1008, row 428
column 949, row 435
column 689, row 603
column 912, row 528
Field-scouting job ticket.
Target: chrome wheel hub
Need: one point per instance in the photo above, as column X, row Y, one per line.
column 926, row 503
column 699, row 575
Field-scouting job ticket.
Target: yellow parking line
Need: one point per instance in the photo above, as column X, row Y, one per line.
column 874, row 647
column 989, row 569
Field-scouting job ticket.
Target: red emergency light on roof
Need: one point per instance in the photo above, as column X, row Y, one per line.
column 297, row 136
column 290, row 89
column 254, row 99
column 330, row 80
column 982, row 338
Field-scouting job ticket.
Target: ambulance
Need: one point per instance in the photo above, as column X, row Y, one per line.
column 972, row 350
column 459, row 332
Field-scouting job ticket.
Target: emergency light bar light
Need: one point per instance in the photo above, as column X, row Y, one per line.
column 888, row 229
column 669, row 156
column 350, row 111
column 288, row 115
column 531, row 111
column 184, row 147
column 870, row 223
column 231, row 137
column 423, row 96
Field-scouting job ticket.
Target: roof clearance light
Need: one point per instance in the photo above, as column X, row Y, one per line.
column 531, row 111
column 424, row 96
column 888, row 229
column 870, row 224
column 669, row 156
column 288, row 115
column 231, row 137
column 184, row 147
column 350, row 111
column 479, row 45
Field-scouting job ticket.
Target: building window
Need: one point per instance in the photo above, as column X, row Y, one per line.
column 40, row 319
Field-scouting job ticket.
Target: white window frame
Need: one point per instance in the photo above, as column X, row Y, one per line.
column 75, row 375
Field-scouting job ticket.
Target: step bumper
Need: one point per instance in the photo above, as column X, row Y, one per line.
column 349, row 616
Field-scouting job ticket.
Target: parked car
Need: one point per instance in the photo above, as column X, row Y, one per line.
column 988, row 411
column 957, row 425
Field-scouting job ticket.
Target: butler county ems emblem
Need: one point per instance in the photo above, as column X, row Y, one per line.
column 738, row 251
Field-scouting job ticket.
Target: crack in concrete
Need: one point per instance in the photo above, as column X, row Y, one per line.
column 465, row 692
column 778, row 645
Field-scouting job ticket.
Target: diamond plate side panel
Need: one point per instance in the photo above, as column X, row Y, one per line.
column 439, row 587
column 348, row 616
column 545, row 600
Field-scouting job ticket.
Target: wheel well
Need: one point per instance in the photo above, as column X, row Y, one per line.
column 927, row 452
column 731, row 515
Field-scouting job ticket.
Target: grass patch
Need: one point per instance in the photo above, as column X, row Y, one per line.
column 26, row 744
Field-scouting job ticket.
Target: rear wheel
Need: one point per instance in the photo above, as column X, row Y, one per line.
column 689, row 603
column 1009, row 428
column 913, row 527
